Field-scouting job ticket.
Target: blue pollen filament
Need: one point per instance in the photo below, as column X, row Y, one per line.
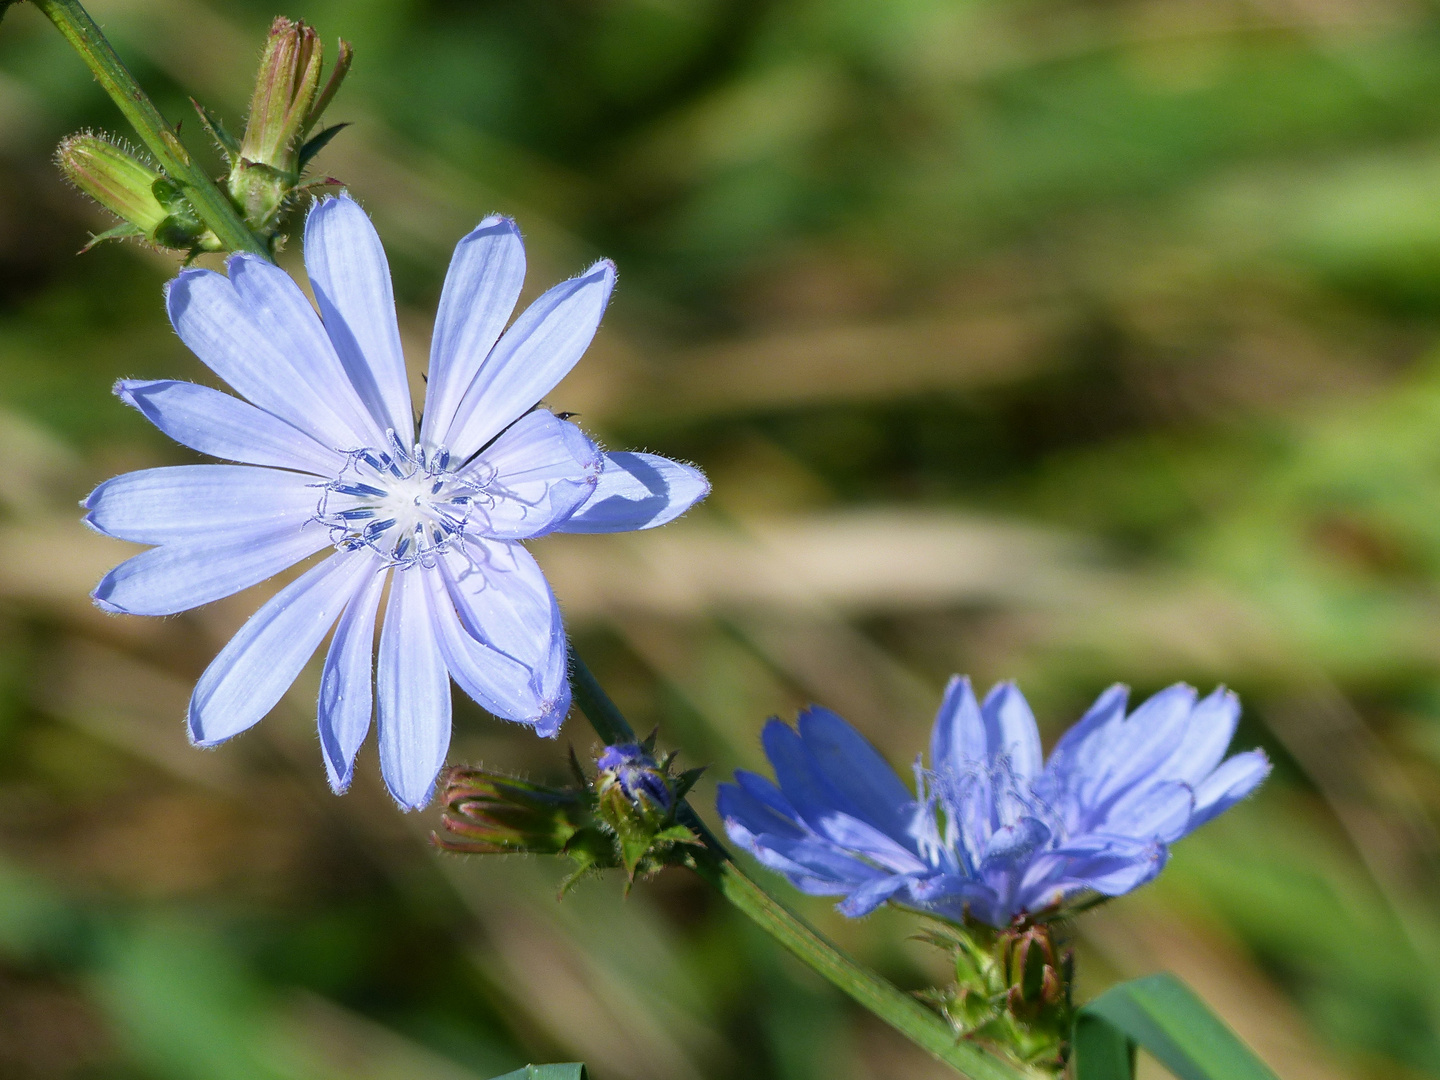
column 406, row 505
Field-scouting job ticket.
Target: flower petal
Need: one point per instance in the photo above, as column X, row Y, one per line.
column 858, row 837
column 757, row 815
column 812, row 864
column 226, row 427
column 1227, row 785
column 1207, row 736
column 1108, row 864
column 499, row 684
column 481, row 288
column 216, row 324
column 1114, row 866
column 177, row 577
column 346, row 695
column 1009, row 846
column 638, row 491
column 350, row 277
column 797, row 777
column 539, row 470
column 193, row 503
column 1082, row 748
column 852, row 767
column 1139, row 747
column 829, row 810
column 276, row 303
column 955, row 896
column 414, row 693
column 871, row 895
column 1152, row 812
column 538, row 351
column 1010, row 730
column 504, row 603
column 957, row 741
column 260, row 662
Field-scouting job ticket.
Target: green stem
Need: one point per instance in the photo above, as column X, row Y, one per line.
column 211, row 204
column 905, row 1014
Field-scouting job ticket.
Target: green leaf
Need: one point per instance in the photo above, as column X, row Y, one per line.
column 1101, row 1052
column 317, row 143
column 1163, row 1016
column 570, row 1071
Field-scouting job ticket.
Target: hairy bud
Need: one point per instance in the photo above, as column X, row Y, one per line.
column 267, row 163
column 150, row 206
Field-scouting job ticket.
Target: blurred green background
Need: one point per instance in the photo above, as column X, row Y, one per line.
column 1066, row 340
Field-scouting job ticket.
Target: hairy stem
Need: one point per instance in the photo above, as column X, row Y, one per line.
column 908, row 1016
column 211, row 204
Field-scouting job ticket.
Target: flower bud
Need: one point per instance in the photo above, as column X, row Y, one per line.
column 266, row 164
column 624, row 817
column 112, row 177
column 636, row 796
column 285, row 87
column 489, row 813
column 640, row 777
column 150, row 205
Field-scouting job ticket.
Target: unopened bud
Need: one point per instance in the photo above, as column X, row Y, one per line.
column 266, row 165
column 151, row 206
column 624, row 817
column 638, row 774
column 1011, row 991
column 488, row 813
column 114, row 178
column 636, row 795
column 285, row 87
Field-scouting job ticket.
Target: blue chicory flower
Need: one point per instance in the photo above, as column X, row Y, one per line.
column 331, row 459
column 637, row 772
column 995, row 832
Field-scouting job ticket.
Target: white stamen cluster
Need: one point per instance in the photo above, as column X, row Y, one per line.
column 406, row 505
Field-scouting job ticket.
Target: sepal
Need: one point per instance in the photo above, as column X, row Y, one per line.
column 1012, row 990
column 228, row 144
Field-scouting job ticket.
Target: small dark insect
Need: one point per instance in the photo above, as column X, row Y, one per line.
column 565, row 415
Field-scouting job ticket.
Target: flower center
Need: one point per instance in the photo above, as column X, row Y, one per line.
column 406, row 505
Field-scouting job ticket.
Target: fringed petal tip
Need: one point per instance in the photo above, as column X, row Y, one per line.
column 105, row 605
column 195, row 731
column 339, row 782
column 548, row 726
column 409, row 806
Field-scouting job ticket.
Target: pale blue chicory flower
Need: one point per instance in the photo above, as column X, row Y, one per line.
column 331, row 459
column 996, row 832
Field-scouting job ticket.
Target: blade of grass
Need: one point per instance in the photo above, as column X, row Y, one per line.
column 1164, row 1017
